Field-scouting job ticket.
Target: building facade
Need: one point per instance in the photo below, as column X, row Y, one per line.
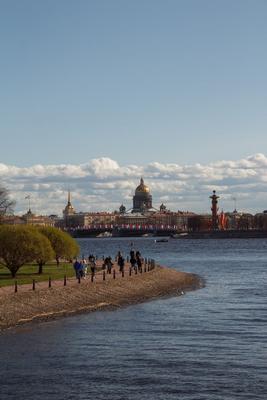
column 29, row 219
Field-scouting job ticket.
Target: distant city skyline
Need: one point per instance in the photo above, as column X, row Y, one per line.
column 103, row 184
column 173, row 81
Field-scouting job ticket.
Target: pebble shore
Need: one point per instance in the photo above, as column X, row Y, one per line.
column 50, row 303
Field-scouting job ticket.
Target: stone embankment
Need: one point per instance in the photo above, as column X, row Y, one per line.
column 49, row 303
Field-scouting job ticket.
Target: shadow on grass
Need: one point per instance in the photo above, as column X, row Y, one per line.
column 29, row 272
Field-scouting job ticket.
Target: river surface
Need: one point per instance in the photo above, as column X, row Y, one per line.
column 208, row 344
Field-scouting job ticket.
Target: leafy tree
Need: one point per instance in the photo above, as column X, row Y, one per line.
column 6, row 205
column 62, row 243
column 20, row 245
column 46, row 253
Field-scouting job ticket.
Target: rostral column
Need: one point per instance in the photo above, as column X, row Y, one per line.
column 214, row 208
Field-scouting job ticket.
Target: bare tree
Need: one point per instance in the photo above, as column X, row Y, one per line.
column 6, row 205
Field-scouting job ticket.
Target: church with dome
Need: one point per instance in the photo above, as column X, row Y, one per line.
column 142, row 200
column 140, row 217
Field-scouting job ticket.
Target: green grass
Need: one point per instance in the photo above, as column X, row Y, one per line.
column 29, row 272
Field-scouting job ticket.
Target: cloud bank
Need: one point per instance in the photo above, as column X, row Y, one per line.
column 103, row 184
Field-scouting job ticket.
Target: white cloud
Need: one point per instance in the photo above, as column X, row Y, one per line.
column 103, row 184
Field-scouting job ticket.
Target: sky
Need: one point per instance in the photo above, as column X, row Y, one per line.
column 132, row 84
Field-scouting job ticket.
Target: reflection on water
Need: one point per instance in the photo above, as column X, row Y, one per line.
column 208, row 344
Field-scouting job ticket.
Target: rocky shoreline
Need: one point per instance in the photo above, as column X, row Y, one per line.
column 50, row 303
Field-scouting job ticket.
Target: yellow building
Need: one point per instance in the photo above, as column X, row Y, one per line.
column 29, row 219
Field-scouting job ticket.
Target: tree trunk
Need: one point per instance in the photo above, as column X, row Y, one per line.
column 13, row 272
column 57, row 259
column 40, row 271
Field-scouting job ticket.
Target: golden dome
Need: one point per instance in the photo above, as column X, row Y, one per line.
column 142, row 187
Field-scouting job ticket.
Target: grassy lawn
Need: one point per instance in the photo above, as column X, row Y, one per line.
column 29, row 272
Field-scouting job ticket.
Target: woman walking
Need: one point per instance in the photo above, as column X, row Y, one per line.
column 121, row 263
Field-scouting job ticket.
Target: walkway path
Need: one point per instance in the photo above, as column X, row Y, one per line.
column 72, row 281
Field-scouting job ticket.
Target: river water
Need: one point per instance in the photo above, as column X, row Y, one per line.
column 208, row 344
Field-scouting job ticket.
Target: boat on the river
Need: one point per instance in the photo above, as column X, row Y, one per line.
column 181, row 235
column 104, row 235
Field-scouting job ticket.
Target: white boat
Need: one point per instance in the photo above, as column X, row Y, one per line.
column 104, row 235
column 179, row 235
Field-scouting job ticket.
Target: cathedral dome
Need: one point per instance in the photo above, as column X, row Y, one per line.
column 142, row 187
column 142, row 200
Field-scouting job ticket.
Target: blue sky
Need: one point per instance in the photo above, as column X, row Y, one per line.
column 95, row 94
column 136, row 81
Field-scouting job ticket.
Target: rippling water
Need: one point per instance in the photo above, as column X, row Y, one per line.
column 209, row 344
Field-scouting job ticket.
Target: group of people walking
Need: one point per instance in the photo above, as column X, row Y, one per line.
column 136, row 260
column 107, row 264
column 81, row 266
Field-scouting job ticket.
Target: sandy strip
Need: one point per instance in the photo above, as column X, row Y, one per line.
column 44, row 304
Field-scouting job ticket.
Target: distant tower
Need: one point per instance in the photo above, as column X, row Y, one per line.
column 68, row 210
column 162, row 208
column 214, row 208
column 122, row 209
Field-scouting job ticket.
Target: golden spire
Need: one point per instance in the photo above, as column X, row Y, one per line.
column 68, row 210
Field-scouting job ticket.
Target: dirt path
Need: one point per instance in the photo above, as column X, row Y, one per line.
column 70, row 281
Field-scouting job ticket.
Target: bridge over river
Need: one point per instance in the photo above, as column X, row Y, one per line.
column 105, row 230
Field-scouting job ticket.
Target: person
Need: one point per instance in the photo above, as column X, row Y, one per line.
column 109, row 264
column 104, row 265
column 85, row 269
column 138, row 254
column 81, row 269
column 118, row 256
column 132, row 260
column 76, row 266
column 121, row 262
column 139, row 262
column 92, row 264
